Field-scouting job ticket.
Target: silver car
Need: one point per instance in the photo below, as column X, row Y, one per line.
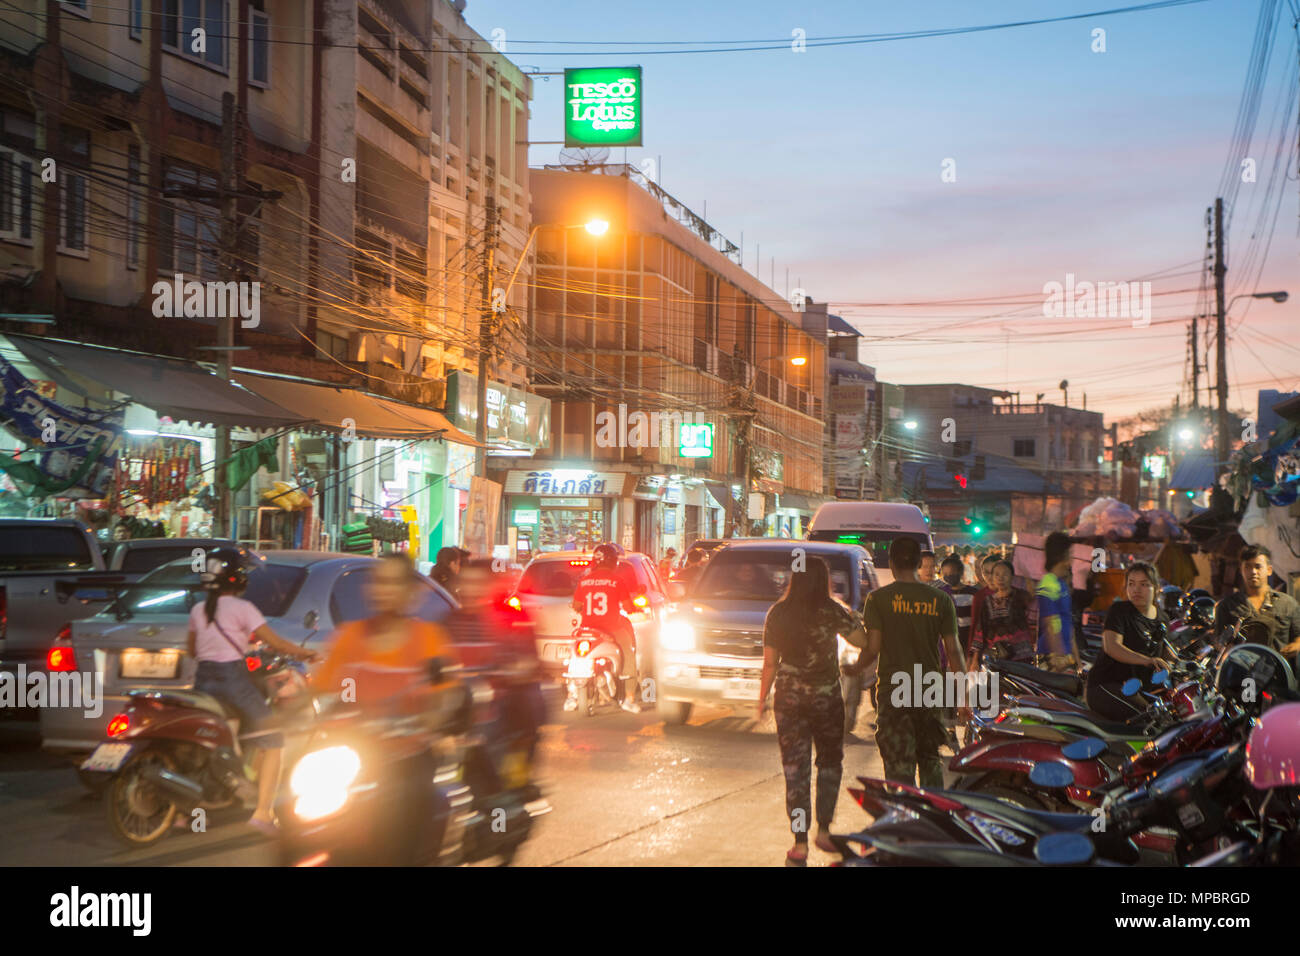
column 711, row 648
column 141, row 642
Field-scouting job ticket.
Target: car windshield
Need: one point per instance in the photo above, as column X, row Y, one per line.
column 271, row 589
column 876, row 542
column 753, row 575
column 553, row 578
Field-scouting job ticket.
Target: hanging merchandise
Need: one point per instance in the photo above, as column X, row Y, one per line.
column 40, row 483
column 357, row 538
column 244, row 464
column 383, row 529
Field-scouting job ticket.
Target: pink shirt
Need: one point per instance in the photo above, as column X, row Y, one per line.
column 237, row 617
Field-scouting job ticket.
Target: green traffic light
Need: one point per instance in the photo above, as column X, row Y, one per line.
column 976, row 529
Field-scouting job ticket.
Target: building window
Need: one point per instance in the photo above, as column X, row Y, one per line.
column 134, row 207
column 182, row 17
column 1024, row 448
column 16, row 178
column 80, row 6
column 136, row 26
column 259, row 50
column 189, row 233
column 335, row 346
column 73, row 213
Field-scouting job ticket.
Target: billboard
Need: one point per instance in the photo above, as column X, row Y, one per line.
column 602, row 106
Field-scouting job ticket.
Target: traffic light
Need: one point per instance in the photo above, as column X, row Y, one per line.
column 960, row 479
column 974, row 523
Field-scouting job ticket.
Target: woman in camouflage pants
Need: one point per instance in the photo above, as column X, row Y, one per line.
column 801, row 653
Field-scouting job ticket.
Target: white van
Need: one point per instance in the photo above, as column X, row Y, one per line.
column 872, row 524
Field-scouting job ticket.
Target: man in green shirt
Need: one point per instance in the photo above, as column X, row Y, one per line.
column 905, row 622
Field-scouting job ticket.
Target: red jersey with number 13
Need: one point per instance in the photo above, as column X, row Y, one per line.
column 602, row 592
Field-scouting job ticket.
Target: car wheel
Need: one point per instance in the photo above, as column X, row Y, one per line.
column 676, row 711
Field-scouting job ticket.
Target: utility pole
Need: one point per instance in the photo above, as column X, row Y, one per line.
column 742, row 405
column 1221, row 352
column 486, row 334
column 1196, row 367
column 232, row 180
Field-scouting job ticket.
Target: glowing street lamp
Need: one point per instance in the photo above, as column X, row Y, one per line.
column 910, row 425
column 597, row 227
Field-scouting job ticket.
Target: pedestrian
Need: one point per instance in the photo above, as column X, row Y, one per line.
column 666, row 565
column 983, row 583
column 928, row 572
column 1003, row 630
column 801, row 654
column 1133, row 638
column 905, row 621
column 1055, row 615
column 447, row 568
column 1277, row 614
column 962, row 596
column 688, row 575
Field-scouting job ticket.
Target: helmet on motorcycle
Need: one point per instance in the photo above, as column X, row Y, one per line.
column 1195, row 593
column 1173, row 600
column 1200, row 613
column 1253, row 676
column 606, row 555
column 1273, row 750
column 228, row 568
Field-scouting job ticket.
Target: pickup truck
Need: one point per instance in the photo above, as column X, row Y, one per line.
column 37, row 554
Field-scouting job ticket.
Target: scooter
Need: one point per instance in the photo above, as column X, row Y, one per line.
column 593, row 672
column 174, row 750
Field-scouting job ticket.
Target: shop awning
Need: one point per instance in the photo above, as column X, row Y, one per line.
column 173, row 387
column 332, row 408
column 720, row 493
column 1196, row 472
column 795, row 502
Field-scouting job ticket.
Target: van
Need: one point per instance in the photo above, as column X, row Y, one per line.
column 871, row 524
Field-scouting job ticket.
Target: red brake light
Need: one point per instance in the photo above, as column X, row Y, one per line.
column 579, row 564
column 514, row 602
column 641, row 601
column 61, row 658
column 252, row 662
column 118, row 725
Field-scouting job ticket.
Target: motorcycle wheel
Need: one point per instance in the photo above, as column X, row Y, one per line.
column 139, row 814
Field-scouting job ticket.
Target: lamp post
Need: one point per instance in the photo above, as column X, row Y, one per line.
column 1221, row 370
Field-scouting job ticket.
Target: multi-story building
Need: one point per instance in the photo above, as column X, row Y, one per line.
column 656, row 317
column 339, row 155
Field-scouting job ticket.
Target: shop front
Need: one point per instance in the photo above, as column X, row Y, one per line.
column 565, row 509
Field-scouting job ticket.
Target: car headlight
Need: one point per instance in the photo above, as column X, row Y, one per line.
column 677, row 635
column 321, row 779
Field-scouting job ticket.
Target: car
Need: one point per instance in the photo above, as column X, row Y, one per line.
column 140, row 642
column 872, row 524
column 545, row 591
column 707, row 545
column 711, row 646
column 136, row 557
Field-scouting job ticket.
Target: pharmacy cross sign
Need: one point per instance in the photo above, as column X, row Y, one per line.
column 602, row 106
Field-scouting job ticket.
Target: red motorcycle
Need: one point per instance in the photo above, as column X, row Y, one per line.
column 174, row 750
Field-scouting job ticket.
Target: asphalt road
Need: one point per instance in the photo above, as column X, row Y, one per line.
column 626, row 790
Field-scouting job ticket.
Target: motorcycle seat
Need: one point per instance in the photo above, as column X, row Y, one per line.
column 1106, row 729
column 189, row 698
column 1042, row 821
column 1065, row 683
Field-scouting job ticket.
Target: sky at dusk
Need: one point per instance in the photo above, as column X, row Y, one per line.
column 1066, row 161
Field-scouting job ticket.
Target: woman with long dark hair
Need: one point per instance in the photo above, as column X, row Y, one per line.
column 1003, row 631
column 1133, row 638
column 221, row 630
column 801, row 653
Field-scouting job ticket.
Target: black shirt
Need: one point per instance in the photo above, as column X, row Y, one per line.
column 1141, row 634
column 1279, row 613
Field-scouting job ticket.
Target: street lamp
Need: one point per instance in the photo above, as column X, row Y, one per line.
column 594, row 227
column 910, row 425
column 597, row 227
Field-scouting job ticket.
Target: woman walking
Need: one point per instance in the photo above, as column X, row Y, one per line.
column 1004, row 629
column 801, row 653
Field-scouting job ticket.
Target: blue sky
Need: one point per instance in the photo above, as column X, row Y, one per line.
column 1067, row 161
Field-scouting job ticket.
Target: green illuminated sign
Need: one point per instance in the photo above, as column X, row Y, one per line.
column 602, row 106
column 695, row 441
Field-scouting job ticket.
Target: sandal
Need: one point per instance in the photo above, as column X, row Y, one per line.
column 795, row 857
column 823, row 843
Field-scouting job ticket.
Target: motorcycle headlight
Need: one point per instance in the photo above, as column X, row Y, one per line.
column 677, row 635
column 321, row 780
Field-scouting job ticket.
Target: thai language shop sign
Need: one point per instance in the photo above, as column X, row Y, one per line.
column 602, row 106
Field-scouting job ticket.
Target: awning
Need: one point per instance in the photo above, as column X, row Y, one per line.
column 1194, row 473
column 795, row 502
column 335, row 409
column 721, row 494
column 173, row 387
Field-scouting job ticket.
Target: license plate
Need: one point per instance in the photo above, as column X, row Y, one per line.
column 741, row 688
column 563, row 652
column 579, row 667
column 1190, row 815
column 107, row 757
column 153, row 665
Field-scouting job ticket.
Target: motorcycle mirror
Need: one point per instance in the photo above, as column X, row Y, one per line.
column 1085, row 749
column 1130, row 687
column 1160, row 677
column 309, row 620
column 1051, row 775
column 1064, row 849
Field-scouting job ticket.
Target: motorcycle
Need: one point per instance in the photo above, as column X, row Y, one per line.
column 172, row 751
column 593, row 671
column 445, row 786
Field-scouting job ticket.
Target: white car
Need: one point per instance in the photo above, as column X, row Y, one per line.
column 545, row 592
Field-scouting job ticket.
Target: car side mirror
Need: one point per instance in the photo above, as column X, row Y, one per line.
column 310, row 620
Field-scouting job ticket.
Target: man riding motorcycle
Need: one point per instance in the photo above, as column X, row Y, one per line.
column 605, row 591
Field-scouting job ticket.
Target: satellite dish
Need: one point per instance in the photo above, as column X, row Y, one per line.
column 459, row 5
column 584, row 158
column 1065, row 383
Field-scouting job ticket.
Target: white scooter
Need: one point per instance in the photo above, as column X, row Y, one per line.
column 593, row 670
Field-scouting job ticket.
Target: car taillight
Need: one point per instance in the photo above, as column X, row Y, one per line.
column 579, row 564
column 118, row 725
column 641, row 601
column 61, row 657
column 514, row 602
column 583, row 648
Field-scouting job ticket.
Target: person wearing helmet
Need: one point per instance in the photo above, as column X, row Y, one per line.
column 221, row 630
column 605, row 591
column 1277, row 613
